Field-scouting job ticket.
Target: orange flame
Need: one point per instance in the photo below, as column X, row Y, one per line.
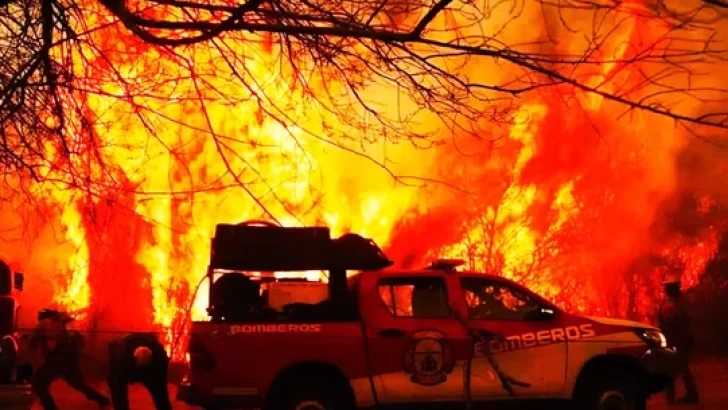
column 545, row 205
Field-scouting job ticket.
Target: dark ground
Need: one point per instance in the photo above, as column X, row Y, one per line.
column 711, row 372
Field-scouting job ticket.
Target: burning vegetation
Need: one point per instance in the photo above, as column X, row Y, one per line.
column 542, row 141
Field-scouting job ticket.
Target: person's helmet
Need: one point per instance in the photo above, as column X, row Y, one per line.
column 142, row 356
column 671, row 279
column 65, row 318
column 55, row 315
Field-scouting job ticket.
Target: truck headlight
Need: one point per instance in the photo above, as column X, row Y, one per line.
column 653, row 337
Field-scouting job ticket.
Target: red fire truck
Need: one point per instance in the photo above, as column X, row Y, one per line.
column 434, row 337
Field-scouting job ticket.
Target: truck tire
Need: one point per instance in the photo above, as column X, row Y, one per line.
column 309, row 396
column 611, row 390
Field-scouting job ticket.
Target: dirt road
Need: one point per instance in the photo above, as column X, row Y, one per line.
column 712, row 375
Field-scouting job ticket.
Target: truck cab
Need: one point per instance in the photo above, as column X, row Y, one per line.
column 413, row 338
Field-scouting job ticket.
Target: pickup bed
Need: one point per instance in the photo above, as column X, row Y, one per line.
column 431, row 337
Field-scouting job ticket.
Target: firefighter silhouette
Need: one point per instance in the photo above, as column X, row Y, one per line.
column 428, row 358
column 674, row 321
column 138, row 358
column 61, row 350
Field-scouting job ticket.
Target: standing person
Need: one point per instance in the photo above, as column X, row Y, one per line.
column 674, row 321
column 138, row 358
column 61, row 350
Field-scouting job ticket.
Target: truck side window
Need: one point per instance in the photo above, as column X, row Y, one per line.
column 487, row 299
column 418, row 297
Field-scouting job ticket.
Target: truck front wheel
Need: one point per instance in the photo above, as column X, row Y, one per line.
column 308, row 396
column 611, row 391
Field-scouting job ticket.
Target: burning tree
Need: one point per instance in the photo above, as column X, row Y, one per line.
column 136, row 126
column 427, row 50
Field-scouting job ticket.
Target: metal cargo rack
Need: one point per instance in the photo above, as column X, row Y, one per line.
column 261, row 246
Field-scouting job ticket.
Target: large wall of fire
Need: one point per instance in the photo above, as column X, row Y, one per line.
column 564, row 198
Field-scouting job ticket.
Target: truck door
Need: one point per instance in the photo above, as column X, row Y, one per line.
column 415, row 344
column 522, row 335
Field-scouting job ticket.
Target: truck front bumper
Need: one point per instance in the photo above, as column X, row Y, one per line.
column 223, row 398
column 659, row 366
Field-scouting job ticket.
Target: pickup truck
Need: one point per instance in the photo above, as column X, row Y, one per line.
column 428, row 338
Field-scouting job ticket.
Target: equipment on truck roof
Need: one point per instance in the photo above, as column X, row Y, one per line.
column 447, row 265
column 281, row 294
column 260, row 246
column 233, row 296
column 253, row 246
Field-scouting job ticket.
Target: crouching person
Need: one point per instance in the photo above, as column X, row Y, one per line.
column 61, row 349
column 138, row 358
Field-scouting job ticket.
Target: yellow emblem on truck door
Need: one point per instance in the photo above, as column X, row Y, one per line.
column 428, row 358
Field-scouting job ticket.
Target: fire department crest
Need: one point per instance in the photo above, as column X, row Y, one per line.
column 428, row 358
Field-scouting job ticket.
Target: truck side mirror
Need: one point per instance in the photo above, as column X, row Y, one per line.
column 547, row 314
column 540, row 315
column 19, row 280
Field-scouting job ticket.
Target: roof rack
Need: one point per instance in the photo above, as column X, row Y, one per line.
column 447, row 265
